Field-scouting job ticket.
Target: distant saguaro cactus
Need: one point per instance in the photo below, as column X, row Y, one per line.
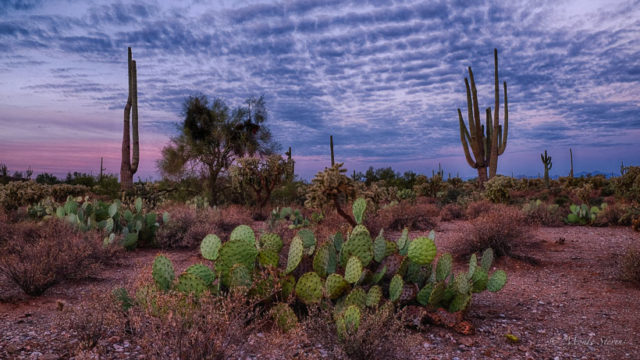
column 129, row 164
column 546, row 160
column 486, row 144
column 571, row 156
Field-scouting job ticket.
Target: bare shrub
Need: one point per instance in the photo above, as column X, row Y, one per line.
column 502, row 228
column 630, row 266
column 451, row 212
column 228, row 218
column 539, row 213
column 37, row 256
column 379, row 335
column 420, row 216
column 478, row 208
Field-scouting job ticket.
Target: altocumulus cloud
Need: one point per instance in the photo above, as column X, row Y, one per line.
column 383, row 77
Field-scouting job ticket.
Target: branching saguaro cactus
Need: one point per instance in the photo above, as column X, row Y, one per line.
column 487, row 143
column 129, row 164
column 546, row 160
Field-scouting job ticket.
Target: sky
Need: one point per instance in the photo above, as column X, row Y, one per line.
column 385, row 78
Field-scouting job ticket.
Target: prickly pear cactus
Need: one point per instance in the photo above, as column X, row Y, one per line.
column 379, row 248
column 353, row 270
column 335, row 286
column 284, row 317
column 443, row 268
column 422, row 251
column 352, row 319
column 190, row 284
column 210, row 246
column 497, row 281
column 486, row 260
column 374, row 296
column 268, row 258
column 359, row 245
column 243, row 232
column 235, row 252
column 395, row 288
column 357, row 297
column 296, row 250
column 203, row 272
column 271, row 241
column 359, row 206
column 239, row 276
column 309, row 288
column 308, row 240
column 325, row 260
column 162, row 272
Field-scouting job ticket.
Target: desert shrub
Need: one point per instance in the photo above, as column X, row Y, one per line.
column 586, row 193
column 501, row 228
column 478, row 208
column 630, row 266
column 379, row 335
column 539, row 213
column 497, row 189
column 99, row 317
column 628, row 184
column 612, row 214
column 289, row 193
column 415, row 217
column 37, row 256
column 21, row 193
column 451, row 212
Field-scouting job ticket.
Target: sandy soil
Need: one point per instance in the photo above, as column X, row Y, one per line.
column 571, row 306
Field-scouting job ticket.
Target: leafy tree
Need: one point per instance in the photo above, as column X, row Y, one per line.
column 212, row 136
column 46, row 178
column 260, row 176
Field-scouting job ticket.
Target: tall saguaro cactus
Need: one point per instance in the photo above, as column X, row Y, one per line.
column 571, row 156
column 129, row 163
column 331, row 146
column 487, row 143
column 546, row 160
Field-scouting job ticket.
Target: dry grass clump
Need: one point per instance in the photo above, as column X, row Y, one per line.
column 37, row 256
column 451, row 212
column 502, row 228
column 421, row 216
column 379, row 335
column 630, row 266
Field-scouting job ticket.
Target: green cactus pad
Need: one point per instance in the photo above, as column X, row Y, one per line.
column 422, row 251
column 308, row 240
column 203, row 272
column 138, row 205
column 437, row 294
column 473, row 265
column 235, row 252
column 284, row 317
column 374, row 296
column 296, row 249
column 353, row 270
column 487, row 260
column 309, row 288
column 243, row 232
column 287, row 285
column 338, row 240
column 357, row 297
column 239, row 276
column 210, row 246
column 460, row 302
column 379, row 247
column 403, row 242
column 359, row 229
column 268, row 258
column 479, row 280
column 359, row 245
column 423, row 294
column 379, row 275
column 391, row 248
column 462, row 284
column 415, row 274
column 335, row 286
column 395, row 288
column 443, row 268
column 325, row 260
column 162, row 272
column 359, row 206
column 352, row 317
column 271, row 241
column 497, row 281
column 190, row 284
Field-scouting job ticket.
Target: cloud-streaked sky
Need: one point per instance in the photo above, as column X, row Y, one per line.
column 384, row 77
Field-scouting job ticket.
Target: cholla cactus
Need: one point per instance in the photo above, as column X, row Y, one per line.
column 331, row 188
column 260, row 175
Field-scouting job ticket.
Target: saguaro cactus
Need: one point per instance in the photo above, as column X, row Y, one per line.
column 129, row 164
column 571, row 156
column 331, row 145
column 546, row 160
column 486, row 143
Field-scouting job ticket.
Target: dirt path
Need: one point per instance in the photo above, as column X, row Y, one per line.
column 571, row 306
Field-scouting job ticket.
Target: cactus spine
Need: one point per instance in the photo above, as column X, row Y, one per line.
column 571, row 157
column 129, row 164
column 487, row 145
column 546, row 160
